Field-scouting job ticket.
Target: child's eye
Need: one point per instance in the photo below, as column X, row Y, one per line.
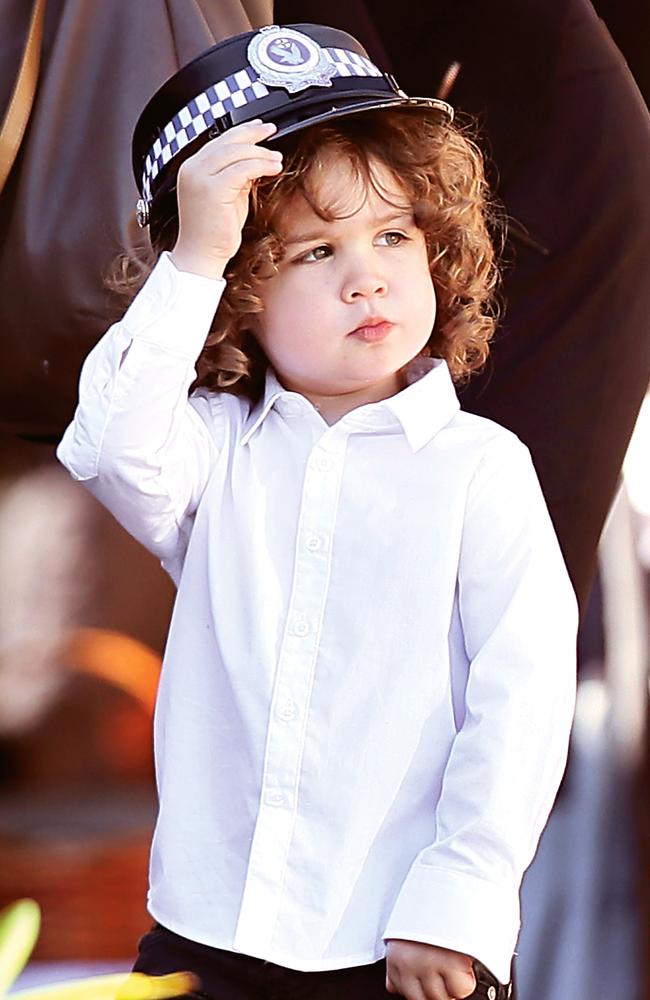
column 393, row 238
column 317, row 253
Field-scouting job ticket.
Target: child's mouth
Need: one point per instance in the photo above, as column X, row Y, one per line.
column 373, row 331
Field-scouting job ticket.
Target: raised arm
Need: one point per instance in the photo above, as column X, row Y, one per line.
column 136, row 441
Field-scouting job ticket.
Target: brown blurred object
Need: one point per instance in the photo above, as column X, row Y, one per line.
column 78, row 806
column 91, row 892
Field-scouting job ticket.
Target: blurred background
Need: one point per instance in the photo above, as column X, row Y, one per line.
column 83, row 618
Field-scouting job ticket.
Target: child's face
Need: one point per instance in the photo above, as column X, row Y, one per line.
column 352, row 301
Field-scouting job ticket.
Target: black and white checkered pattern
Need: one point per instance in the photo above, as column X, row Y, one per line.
column 234, row 91
column 348, row 63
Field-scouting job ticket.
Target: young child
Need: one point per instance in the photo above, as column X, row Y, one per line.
column 368, row 686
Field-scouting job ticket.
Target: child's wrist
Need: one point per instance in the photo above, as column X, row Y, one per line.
column 206, row 267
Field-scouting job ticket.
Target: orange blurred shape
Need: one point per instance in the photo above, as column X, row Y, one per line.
column 119, row 659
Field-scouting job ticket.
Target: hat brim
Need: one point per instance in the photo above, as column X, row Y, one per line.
column 304, row 116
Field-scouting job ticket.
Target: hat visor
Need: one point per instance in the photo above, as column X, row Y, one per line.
column 305, row 115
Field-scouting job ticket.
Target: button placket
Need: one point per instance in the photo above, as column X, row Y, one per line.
column 292, row 691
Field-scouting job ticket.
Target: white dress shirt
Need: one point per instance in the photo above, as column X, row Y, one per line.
column 369, row 681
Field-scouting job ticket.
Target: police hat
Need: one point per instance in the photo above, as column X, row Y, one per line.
column 295, row 76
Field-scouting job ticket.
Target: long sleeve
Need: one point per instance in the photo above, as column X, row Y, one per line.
column 518, row 620
column 136, row 441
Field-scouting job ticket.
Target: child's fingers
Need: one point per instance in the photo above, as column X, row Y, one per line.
column 200, row 169
column 225, row 187
column 247, row 135
column 224, row 183
column 412, row 989
column 237, row 175
column 257, row 127
column 242, row 155
column 460, row 984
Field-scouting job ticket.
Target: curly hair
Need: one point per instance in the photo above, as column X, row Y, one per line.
column 441, row 171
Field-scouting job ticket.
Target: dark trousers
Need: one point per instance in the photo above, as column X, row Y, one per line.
column 226, row 975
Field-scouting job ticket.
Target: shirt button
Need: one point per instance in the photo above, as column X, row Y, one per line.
column 323, row 463
column 301, row 627
column 287, row 711
column 314, row 543
column 492, row 993
column 274, row 798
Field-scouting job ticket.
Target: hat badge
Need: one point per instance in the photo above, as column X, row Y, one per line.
column 284, row 57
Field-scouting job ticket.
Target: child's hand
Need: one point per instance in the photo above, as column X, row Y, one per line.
column 212, row 190
column 425, row 972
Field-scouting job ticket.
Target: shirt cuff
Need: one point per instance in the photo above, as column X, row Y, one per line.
column 174, row 309
column 458, row 911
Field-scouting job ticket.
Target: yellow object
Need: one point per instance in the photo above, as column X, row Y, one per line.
column 19, row 926
column 20, row 923
column 135, row 986
column 22, row 98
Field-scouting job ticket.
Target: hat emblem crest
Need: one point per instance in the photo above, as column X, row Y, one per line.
column 284, row 57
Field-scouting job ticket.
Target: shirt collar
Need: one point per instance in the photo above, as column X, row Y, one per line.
column 272, row 391
column 426, row 404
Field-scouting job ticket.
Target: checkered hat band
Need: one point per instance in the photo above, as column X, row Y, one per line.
column 234, row 91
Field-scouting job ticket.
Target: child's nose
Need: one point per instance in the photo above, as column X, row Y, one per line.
column 365, row 283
